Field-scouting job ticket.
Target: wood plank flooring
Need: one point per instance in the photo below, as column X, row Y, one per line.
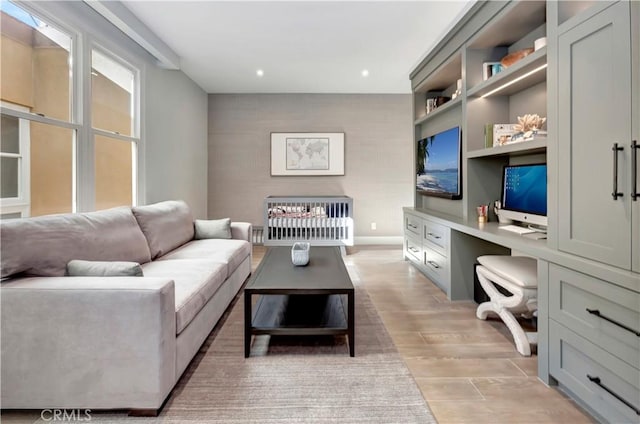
column 468, row 370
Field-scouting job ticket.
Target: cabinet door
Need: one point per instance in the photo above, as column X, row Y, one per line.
column 594, row 112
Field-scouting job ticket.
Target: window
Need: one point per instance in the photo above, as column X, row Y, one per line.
column 64, row 148
column 114, row 122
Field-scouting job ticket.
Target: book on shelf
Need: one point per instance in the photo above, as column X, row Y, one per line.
column 489, row 69
column 488, row 135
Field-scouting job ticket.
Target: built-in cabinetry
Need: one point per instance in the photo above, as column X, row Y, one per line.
column 598, row 208
column 426, row 244
column 586, row 82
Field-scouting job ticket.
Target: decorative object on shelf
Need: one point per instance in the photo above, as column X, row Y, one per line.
column 528, row 128
column 539, row 43
column 482, row 211
column 458, row 89
column 430, row 105
column 300, row 253
column 514, row 57
column 296, row 154
column 489, row 69
column 502, row 134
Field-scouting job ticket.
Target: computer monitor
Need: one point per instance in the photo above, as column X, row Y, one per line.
column 524, row 193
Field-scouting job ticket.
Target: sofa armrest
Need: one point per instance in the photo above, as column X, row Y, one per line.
column 241, row 231
column 87, row 342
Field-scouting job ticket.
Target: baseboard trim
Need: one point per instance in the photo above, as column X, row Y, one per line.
column 385, row 240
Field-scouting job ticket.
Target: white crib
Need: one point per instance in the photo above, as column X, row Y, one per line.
column 320, row 220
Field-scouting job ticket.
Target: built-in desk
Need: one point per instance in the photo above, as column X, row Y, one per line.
column 588, row 312
column 469, row 239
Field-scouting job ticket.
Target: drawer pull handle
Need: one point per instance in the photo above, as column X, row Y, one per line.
column 433, row 264
column 415, row 227
column 434, row 236
column 597, row 381
column 597, row 313
column 413, row 249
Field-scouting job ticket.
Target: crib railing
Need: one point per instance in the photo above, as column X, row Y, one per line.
column 320, row 220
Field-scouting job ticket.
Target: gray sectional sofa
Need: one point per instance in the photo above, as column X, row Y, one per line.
column 115, row 342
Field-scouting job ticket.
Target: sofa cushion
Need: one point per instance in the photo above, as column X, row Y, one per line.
column 78, row 268
column 228, row 252
column 44, row 245
column 213, row 229
column 196, row 281
column 166, row 225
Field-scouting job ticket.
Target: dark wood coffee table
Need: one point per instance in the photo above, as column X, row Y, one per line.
column 317, row 299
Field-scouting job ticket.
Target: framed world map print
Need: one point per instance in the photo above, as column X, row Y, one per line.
column 298, row 154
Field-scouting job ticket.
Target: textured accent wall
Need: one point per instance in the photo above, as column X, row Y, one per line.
column 378, row 154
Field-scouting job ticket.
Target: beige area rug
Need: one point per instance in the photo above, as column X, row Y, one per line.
column 294, row 380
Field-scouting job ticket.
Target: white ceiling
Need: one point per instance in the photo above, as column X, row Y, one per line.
column 302, row 46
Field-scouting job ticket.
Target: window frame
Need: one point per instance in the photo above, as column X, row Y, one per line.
column 21, row 203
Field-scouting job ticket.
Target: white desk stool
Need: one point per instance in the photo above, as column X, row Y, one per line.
column 518, row 275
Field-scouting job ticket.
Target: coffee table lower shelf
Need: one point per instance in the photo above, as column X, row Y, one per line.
column 298, row 315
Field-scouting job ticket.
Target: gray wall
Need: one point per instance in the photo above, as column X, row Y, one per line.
column 378, row 154
column 176, row 140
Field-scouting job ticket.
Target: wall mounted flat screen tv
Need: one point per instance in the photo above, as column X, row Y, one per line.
column 438, row 170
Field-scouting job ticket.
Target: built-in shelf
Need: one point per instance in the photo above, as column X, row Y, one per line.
column 525, row 73
column 515, row 149
column 447, row 106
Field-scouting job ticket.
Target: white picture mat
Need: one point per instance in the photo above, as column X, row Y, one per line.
column 279, row 154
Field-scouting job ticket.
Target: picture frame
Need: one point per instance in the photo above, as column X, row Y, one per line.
column 307, row 154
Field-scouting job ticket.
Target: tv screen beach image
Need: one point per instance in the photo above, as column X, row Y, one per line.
column 438, row 163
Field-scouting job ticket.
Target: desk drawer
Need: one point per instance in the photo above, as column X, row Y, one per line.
column 413, row 249
column 573, row 294
column 412, row 225
column 438, row 267
column 438, row 235
column 584, row 368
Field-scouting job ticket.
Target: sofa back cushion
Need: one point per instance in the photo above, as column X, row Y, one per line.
column 166, row 225
column 44, row 245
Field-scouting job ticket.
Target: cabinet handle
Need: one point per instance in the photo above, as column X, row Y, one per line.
column 413, row 249
column 615, row 150
column 634, row 170
column 433, row 264
column 434, row 236
column 413, row 226
column 597, row 381
column 597, row 313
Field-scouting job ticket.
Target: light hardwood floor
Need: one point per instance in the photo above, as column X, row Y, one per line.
column 468, row 369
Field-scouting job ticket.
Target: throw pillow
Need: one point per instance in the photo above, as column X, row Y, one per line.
column 78, row 268
column 213, row 228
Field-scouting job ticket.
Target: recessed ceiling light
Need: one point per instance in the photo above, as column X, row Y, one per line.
column 365, row 73
column 260, row 73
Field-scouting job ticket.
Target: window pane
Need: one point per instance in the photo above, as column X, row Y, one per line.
column 35, row 63
column 10, row 139
column 12, row 215
column 10, row 175
column 111, row 95
column 114, row 171
column 51, row 169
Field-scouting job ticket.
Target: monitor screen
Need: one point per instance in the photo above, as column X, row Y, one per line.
column 524, row 192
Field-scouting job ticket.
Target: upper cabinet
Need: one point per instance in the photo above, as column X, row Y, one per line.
column 597, row 211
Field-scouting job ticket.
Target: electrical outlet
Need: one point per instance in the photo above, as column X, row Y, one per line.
column 374, row 226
